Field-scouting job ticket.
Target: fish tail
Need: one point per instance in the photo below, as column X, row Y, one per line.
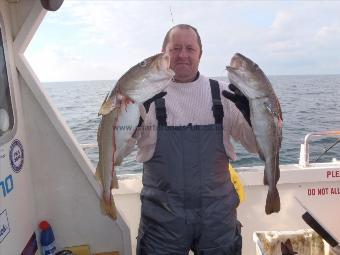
column 273, row 201
column 108, row 207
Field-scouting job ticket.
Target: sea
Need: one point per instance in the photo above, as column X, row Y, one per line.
column 310, row 103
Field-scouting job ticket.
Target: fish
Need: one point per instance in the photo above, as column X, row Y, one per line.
column 266, row 120
column 120, row 114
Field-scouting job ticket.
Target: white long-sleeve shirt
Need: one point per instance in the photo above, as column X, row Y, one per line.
column 192, row 103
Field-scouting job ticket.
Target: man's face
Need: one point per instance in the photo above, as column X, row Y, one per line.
column 184, row 53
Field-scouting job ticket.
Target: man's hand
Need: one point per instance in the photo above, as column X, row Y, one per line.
column 147, row 104
column 240, row 100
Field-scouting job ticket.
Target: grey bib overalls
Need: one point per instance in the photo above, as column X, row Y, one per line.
column 188, row 200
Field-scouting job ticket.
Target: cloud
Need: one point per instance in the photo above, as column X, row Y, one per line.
column 283, row 20
column 328, row 35
column 60, row 62
column 102, row 39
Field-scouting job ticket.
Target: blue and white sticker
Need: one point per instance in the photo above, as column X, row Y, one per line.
column 16, row 155
column 4, row 226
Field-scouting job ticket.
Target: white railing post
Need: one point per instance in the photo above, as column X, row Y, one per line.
column 304, row 155
column 304, row 150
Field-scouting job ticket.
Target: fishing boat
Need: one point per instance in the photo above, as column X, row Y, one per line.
column 45, row 173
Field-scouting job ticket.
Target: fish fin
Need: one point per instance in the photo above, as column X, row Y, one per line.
column 279, row 109
column 126, row 150
column 99, row 132
column 142, row 111
column 109, row 207
column 114, row 182
column 262, row 156
column 98, row 172
column 277, row 171
column 106, row 108
column 265, row 177
column 118, row 159
column 273, row 201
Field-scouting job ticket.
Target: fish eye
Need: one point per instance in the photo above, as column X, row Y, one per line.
column 143, row 63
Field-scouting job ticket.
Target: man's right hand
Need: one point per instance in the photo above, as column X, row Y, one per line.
column 148, row 102
column 152, row 99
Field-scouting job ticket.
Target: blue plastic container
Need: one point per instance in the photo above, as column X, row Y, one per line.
column 47, row 240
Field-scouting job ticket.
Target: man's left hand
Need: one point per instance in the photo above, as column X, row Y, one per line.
column 240, row 100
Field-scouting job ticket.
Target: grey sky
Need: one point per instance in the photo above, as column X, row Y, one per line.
column 98, row 40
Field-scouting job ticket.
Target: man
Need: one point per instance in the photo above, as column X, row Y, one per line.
column 188, row 200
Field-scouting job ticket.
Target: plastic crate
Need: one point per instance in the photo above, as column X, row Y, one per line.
column 304, row 242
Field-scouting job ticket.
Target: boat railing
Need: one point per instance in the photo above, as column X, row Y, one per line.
column 88, row 145
column 304, row 151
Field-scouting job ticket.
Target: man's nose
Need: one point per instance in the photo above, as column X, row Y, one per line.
column 183, row 53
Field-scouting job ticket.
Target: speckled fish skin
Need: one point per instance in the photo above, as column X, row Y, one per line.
column 120, row 113
column 265, row 117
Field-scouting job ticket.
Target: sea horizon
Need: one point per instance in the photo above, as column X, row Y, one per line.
column 269, row 75
column 309, row 103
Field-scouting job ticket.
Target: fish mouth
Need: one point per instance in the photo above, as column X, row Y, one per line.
column 231, row 68
column 237, row 61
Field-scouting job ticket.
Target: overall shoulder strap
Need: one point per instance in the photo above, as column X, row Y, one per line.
column 217, row 107
column 160, row 112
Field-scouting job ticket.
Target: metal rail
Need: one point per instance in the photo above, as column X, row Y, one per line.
column 304, row 151
column 88, row 145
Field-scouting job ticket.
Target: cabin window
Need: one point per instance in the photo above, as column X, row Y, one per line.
column 6, row 110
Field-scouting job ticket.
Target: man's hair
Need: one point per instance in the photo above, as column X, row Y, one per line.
column 181, row 26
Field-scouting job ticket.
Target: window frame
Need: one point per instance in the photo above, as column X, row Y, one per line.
column 5, row 138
